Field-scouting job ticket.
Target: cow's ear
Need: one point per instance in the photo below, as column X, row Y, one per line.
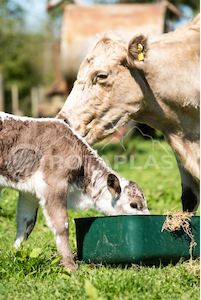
column 113, row 185
column 137, row 49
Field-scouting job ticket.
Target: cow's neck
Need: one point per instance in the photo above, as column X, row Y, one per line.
column 176, row 121
column 170, row 82
column 153, row 111
column 169, row 115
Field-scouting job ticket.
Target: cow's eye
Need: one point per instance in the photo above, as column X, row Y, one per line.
column 101, row 77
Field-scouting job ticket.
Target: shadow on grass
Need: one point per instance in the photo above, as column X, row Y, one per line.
column 159, row 265
column 5, row 214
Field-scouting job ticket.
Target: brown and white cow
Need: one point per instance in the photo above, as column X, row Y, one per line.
column 151, row 81
column 48, row 163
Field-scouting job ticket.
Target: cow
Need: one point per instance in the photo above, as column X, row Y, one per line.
column 151, row 80
column 48, row 163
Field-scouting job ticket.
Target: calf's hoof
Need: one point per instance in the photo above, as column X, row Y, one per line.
column 69, row 265
column 18, row 243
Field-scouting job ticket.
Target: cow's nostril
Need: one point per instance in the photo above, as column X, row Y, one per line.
column 66, row 121
column 133, row 205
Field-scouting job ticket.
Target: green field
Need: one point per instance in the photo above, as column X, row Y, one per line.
column 34, row 272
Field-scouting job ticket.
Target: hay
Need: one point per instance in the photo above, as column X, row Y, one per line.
column 177, row 221
column 192, row 266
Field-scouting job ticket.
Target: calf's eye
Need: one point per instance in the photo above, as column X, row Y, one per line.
column 133, row 205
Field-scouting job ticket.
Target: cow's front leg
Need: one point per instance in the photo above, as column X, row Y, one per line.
column 190, row 191
column 55, row 212
column 27, row 209
column 190, row 200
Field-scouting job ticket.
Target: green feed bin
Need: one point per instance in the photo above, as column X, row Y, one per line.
column 133, row 239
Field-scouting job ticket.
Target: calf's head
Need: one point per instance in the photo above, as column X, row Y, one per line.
column 106, row 93
column 119, row 196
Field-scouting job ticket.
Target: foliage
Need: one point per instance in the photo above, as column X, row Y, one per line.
column 34, row 272
column 21, row 52
column 20, row 59
column 192, row 3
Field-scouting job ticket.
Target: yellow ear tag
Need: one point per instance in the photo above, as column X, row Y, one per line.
column 140, row 49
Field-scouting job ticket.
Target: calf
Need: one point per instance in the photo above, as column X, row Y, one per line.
column 47, row 162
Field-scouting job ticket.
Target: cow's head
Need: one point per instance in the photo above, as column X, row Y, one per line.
column 107, row 92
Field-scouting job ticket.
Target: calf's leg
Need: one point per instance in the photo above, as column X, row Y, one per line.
column 55, row 211
column 27, row 209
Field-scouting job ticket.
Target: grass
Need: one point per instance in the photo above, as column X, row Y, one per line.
column 34, row 271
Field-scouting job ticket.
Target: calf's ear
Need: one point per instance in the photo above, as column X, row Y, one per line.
column 137, row 49
column 113, row 185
